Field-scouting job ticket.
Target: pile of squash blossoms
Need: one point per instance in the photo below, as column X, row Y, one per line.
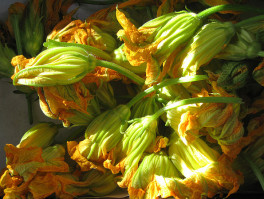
column 162, row 98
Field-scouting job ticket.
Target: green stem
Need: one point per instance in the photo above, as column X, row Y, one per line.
column 249, row 21
column 164, row 83
column 99, row 2
column 90, row 49
column 195, row 101
column 121, row 70
column 16, row 29
column 227, row 7
column 29, row 106
column 255, row 169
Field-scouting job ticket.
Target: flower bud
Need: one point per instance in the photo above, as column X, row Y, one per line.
column 207, row 42
column 40, row 135
column 56, row 66
column 233, row 75
column 32, row 33
column 246, row 47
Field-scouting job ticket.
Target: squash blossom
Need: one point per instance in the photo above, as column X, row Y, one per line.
column 98, row 183
column 6, row 55
column 144, row 107
column 56, row 66
column 202, row 167
column 157, row 177
column 215, row 120
column 84, row 33
column 101, row 136
column 247, row 46
column 183, row 122
column 138, row 138
column 40, row 135
column 72, row 185
column 153, row 42
column 231, row 130
column 210, row 40
column 190, row 157
column 104, row 93
column 72, row 104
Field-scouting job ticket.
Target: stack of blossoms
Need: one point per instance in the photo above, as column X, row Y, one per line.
column 160, row 101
